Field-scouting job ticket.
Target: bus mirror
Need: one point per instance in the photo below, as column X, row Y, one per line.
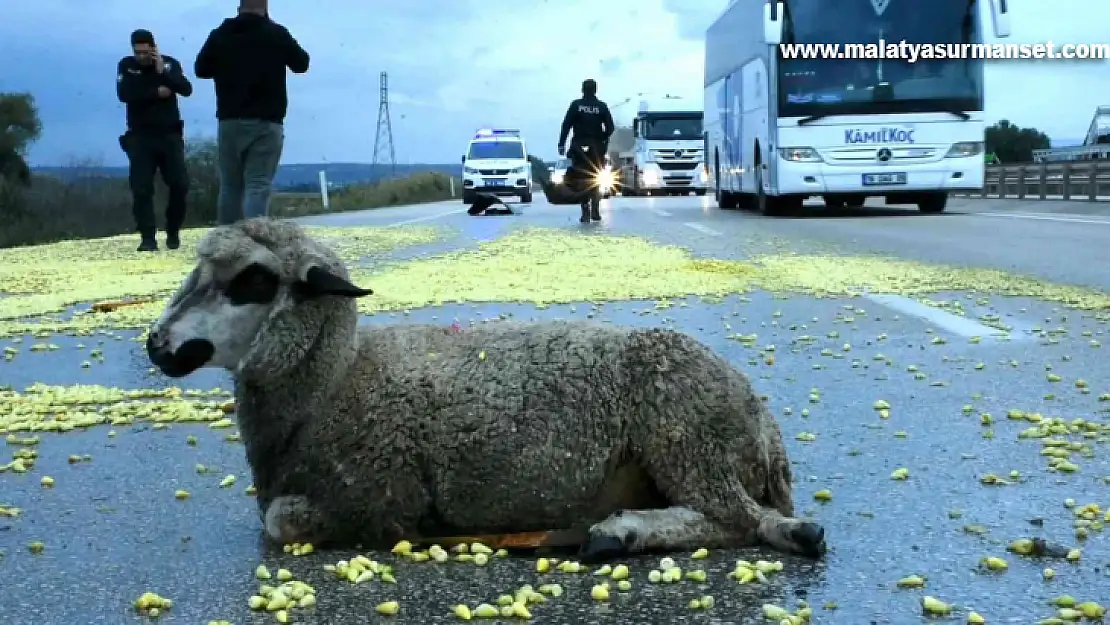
column 1000, row 16
column 772, row 23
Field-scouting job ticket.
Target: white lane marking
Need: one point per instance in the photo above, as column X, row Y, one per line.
column 416, row 220
column 661, row 213
column 702, row 229
column 960, row 326
column 1043, row 217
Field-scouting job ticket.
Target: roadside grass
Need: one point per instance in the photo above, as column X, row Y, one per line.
column 92, row 206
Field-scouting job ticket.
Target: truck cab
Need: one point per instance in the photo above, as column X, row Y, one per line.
column 496, row 162
column 668, row 152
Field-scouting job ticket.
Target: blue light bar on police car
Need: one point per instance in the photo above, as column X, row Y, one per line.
column 496, row 132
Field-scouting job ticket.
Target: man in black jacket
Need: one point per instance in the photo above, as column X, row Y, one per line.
column 592, row 123
column 148, row 83
column 247, row 57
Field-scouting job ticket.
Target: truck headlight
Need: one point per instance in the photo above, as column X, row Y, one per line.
column 799, row 155
column 470, row 171
column 703, row 174
column 965, row 148
column 516, row 170
column 650, row 176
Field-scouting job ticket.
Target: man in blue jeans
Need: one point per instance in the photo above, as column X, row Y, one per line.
column 247, row 57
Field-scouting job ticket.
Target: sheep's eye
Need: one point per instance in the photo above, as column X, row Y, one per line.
column 254, row 285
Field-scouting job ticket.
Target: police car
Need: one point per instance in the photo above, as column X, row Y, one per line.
column 496, row 162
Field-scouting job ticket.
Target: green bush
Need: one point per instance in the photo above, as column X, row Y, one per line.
column 49, row 209
column 416, row 189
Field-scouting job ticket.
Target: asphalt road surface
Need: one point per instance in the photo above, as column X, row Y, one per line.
column 959, row 393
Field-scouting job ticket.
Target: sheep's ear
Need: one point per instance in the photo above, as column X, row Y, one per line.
column 319, row 282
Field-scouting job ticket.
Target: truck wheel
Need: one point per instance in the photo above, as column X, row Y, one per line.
column 933, row 203
column 701, row 192
column 526, row 197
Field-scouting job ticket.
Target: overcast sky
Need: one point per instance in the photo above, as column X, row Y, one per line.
column 455, row 65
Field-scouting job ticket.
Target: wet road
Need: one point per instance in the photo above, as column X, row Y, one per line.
column 959, row 396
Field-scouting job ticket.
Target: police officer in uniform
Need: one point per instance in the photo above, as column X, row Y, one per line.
column 148, row 83
column 592, row 123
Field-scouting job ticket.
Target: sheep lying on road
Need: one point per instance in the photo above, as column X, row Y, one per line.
column 643, row 436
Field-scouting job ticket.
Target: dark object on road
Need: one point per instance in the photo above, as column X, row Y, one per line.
column 486, row 204
column 573, row 193
column 368, row 433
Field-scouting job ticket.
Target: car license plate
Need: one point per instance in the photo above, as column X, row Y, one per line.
column 880, row 179
column 494, row 182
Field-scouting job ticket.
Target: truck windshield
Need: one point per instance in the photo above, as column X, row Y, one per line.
column 672, row 127
column 495, row 149
column 830, row 86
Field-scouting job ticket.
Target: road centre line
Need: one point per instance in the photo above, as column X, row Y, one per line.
column 416, row 220
column 1043, row 217
column 952, row 323
column 702, row 229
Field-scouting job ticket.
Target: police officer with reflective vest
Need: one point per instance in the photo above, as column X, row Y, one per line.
column 592, row 123
column 148, row 83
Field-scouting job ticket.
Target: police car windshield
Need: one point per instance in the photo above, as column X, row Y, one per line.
column 676, row 127
column 495, row 149
column 823, row 86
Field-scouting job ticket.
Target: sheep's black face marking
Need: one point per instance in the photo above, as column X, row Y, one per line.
column 253, row 285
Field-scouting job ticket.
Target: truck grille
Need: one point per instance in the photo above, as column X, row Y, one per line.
column 677, row 165
column 494, row 172
column 693, row 155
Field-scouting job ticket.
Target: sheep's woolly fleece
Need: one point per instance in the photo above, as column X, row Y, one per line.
column 527, row 266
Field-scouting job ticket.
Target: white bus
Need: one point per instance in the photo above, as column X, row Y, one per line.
column 781, row 128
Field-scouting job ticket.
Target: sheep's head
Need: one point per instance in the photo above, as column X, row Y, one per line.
column 259, row 294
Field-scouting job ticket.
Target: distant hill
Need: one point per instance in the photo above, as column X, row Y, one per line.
column 297, row 176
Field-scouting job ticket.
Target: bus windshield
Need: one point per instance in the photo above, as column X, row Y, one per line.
column 826, row 86
column 672, row 127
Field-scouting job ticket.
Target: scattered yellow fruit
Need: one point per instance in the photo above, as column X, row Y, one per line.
column 388, row 608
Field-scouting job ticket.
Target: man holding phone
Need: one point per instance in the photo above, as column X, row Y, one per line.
column 248, row 57
column 148, row 83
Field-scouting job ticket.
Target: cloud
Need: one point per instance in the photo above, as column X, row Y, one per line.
column 454, row 66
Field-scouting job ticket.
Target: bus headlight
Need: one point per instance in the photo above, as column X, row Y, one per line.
column 965, row 148
column 800, row 155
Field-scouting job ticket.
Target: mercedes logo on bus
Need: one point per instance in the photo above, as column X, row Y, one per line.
column 884, row 155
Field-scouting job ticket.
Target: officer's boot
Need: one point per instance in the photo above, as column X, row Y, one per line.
column 148, row 243
column 595, row 205
column 585, row 218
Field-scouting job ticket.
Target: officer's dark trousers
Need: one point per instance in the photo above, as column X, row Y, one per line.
column 592, row 161
column 150, row 153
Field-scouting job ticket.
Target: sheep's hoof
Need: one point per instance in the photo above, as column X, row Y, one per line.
column 810, row 539
column 600, row 547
